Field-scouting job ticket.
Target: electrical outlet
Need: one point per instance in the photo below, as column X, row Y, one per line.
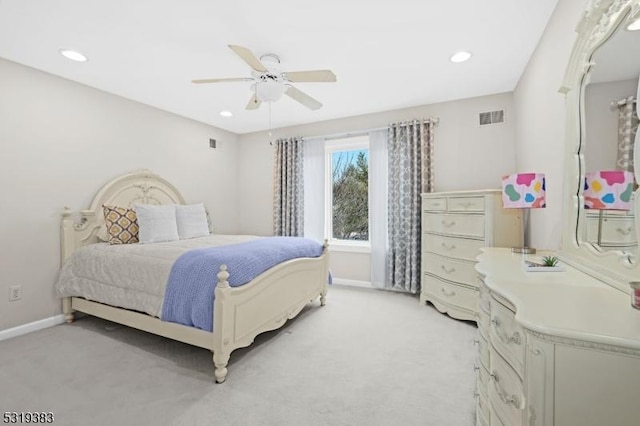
column 15, row 293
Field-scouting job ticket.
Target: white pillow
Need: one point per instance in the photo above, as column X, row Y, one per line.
column 156, row 223
column 192, row 221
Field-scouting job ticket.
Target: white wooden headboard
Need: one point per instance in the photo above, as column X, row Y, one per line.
column 142, row 187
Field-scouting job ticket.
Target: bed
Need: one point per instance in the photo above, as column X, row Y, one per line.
column 239, row 313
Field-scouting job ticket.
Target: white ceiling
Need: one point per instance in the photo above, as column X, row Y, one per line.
column 386, row 54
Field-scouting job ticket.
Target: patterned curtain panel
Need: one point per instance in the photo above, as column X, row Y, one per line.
column 288, row 188
column 410, row 149
column 627, row 127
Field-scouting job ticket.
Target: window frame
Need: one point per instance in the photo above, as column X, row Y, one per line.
column 332, row 146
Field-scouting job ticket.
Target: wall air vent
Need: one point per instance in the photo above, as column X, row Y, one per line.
column 491, row 117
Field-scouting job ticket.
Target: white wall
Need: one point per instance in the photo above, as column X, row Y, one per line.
column 59, row 143
column 466, row 156
column 540, row 115
column 601, row 122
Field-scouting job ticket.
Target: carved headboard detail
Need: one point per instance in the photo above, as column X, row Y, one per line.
column 142, row 187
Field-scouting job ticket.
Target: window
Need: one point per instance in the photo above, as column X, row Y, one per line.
column 347, row 190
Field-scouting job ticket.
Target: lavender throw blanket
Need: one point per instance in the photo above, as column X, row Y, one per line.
column 191, row 286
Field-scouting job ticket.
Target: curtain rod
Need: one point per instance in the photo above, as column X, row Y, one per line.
column 354, row 133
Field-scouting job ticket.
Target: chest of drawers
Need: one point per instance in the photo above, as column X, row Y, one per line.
column 455, row 225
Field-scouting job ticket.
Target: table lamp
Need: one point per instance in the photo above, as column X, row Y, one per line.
column 607, row 190
column 523, row 191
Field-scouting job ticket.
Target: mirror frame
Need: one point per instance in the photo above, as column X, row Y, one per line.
column 600, row 20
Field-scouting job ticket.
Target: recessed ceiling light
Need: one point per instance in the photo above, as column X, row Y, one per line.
column 634, row 26
column 226, row 113
column 460, row 56
column 73, row 55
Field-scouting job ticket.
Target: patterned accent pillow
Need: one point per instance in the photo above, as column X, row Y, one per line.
column 122, row 225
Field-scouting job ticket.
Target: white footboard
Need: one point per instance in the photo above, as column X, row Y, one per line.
column 241, row 313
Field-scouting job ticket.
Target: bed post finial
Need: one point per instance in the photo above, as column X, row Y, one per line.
column 325, row 246
column 223, row 276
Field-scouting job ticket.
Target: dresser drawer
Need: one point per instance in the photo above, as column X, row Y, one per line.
column 616, row 230
column 482, row 410
column 459, row 248
column 450, row 269
column 464, row 225
column 484, row 321
column 450, row 294
column 482, row 422
column 507, row 336
column 465, row 204
column 434, row 204
column 483, row 349
column 505, row 391
column 485, row 298
column 495, row 420
column 483, row 399
column 483, row 381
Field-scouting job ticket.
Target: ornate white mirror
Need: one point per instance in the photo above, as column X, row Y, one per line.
column 602, row 223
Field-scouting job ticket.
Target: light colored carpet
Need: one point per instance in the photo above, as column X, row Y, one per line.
column 367, row 358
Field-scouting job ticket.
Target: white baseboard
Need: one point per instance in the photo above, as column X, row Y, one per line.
column 352, row 283
column 31, row 327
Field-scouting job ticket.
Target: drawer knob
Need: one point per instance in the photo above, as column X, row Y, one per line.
column 624, row 231
column 504, row 338
column 447, row 270
column 448, row 247
column 447, row 293
column 448, row 224
column 504, row 396
column 466, row 204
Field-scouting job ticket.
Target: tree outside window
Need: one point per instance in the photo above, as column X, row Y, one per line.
column 350, row 195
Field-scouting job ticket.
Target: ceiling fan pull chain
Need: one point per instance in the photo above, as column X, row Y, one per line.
column 270, row 140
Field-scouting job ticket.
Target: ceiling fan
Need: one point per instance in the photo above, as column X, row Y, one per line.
column 270, row 82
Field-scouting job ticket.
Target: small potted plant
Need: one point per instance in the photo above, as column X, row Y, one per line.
column 546, row 264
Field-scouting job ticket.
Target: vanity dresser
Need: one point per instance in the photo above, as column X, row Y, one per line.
column 455, row 225
column 555, row 348
column 562, row 348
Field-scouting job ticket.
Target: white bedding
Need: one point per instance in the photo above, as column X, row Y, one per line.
column 131, row 276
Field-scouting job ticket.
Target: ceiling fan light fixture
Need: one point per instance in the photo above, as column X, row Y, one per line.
column 461, row 56
column 269, row 91
column 635, row 25
column 73, row 55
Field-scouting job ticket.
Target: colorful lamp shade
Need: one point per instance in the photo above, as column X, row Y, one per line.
column 608, row 190
column 523, row 191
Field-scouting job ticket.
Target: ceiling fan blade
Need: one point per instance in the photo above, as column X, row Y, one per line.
column 318, row 76
column 254, row 103
column 248, row 56
column 220, row 80
column 303, row 98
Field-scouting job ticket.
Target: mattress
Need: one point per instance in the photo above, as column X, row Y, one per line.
column 130, row 276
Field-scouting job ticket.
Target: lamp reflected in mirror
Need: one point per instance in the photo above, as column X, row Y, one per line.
column 608, row 190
